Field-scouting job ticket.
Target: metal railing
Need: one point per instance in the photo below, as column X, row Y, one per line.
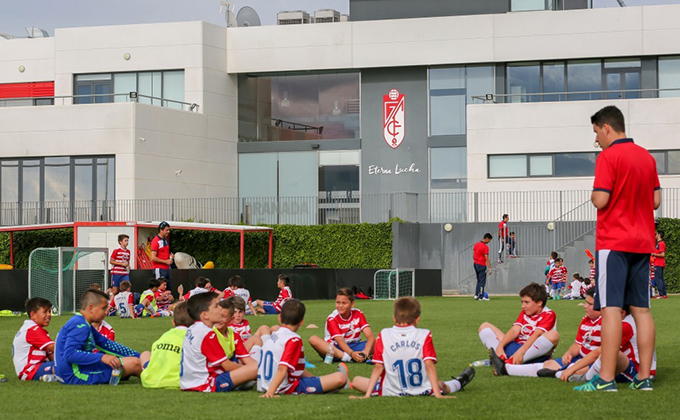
column 586, row 95
column 109, row 98
column 570, row 211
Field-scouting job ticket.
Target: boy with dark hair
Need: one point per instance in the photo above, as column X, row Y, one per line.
column 124, row 301
column 401, row 354
column 480, row 259
column 285, row 294
column 241, row 325
column 231, row 341
column 557, row 276
column 204, row 366
column 32, row 348
column 502, row 236
column 659, row 255
column 343, row 331
column 282, row 363
column 161, row 257
column 75, row 363
column 626, row 191
column 579, row 356
column 203, row 285
column 147, row 301
column 164, row 297
column 532, row 337
column 120, row 264
column 237, row 288
column 512, row 246
column 162, row 365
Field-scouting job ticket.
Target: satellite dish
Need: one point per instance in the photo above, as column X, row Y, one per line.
column 229, row 16
column 247, row 16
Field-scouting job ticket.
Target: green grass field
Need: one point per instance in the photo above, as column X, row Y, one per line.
column 453, row 322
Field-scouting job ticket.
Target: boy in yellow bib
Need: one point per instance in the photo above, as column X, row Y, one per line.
column 161, row 368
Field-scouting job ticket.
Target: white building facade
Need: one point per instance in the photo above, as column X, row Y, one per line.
column 294, row 123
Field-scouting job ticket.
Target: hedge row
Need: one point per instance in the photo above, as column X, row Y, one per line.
column 330, row 246
column 671, row 230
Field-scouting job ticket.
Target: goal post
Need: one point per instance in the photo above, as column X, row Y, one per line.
column 391, row 284
column 61, row 275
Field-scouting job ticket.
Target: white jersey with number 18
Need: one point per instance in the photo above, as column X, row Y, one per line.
column 403, row 352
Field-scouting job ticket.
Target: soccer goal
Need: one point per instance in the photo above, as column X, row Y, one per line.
column 61, row 275
column 394, row 283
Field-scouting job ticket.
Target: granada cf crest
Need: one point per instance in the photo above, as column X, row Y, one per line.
column 393, row 118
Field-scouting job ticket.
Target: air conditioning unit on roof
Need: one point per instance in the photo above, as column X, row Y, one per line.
column 295, row 17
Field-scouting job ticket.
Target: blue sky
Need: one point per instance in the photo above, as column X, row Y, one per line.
column 51, row 14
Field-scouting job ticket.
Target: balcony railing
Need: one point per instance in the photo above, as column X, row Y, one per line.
column 590, row 95
column 350, row 207
column 98, row 98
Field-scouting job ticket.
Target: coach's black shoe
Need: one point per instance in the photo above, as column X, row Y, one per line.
column 465, row 377
column 497, row 364
column 546, row 373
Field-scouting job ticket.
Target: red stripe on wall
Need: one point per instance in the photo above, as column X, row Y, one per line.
column 27, row 90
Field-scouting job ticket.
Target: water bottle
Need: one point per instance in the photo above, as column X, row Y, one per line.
column 115, row 377
column 329, row 355
column 480, row 363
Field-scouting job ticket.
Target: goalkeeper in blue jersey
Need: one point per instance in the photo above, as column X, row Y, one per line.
column 75, row 362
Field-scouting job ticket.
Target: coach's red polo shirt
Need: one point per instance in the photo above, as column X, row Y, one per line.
column 628, row 173
column 479, row 253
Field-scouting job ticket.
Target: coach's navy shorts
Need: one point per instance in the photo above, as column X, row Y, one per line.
column 309, row 385
column 166, row 274
column 622, row 279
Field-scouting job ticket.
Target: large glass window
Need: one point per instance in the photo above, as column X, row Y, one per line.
column 57, row 179
column 339, row 172
column 448, row 168
column 507, row 166
column 674, row 162
column 31, row 180
column 299, row 107
column 168, row 85
column 451, row 89
column 660, row 158
column 553, row 81
column 528, row 5
column 584, row 76
column 669, row 76
column 540, row 165
column 9, row 177
column 575, row 164
column 523, row 79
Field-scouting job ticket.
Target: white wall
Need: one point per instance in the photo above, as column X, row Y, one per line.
column 610, row 32
column 552, row 127
column 36, row 55
column 107, row 237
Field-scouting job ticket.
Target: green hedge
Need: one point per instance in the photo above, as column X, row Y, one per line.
column 330, row 246
column 671, row 230
column 25, row 242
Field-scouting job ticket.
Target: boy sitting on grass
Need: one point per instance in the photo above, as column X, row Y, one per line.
column 282, row 364
column 164, row 298
column 124, row 301
column 32, row 348
column 531, row 338
column 231, row 341
column 273, row 308
column 405, row 360
column 205, row 366
column 237, row 288
column 241, row 325
column 576, row 360
column 161, row 366
column 147, row 302
column 343, row 331
column 74, row 361
column 203, row 285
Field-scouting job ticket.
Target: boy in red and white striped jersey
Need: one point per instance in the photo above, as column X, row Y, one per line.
column 281, row 369
column 120, row 263
column 32, row 348
column 264, row 307
column 343, row 331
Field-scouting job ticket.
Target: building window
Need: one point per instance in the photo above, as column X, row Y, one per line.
column 451, row 89
column 56, row 189
column 673, row 162
column 667, row 161
column 162, row 88
column 524, row 79
column 448, row 168
column 339, row 172
column 669, row 77
column 542, row 165
column 305, row 106
column 584, row 76
column 528, row 5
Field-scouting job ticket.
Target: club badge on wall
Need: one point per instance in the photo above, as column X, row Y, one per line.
column 393, row 118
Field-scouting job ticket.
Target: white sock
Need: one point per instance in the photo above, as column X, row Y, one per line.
column 558, row 375
column 594, row 370
column 524, row 370
column 541, row 347
column 489, row 338
column 255, row 352
column 346, row 357
column 454, row 386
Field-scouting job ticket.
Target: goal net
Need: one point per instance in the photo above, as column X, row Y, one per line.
column 394, row 283
column 61, row 275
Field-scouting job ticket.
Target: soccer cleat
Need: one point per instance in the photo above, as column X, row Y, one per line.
column 577, row 378
column 497, row 364
column 546, row 373
column 597, row 384
column 484, row 298
column 643, row 385
column 342, row 367
column 465, row 377
column 247, row 386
